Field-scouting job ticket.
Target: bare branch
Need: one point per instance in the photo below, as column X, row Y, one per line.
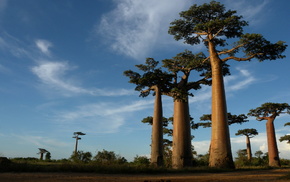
column 200, row 33
column 262, row 118
column 239, row 59
column 218, row 32
column 231, row 50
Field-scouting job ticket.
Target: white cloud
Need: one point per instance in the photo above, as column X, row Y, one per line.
column 134, row 28
column 233, row 83
column 40, row 141
column 250, row 11
column 53, row 76
column 43, row 46
column 201, row 147
column 241, row 81
column 102, row 117
column 11, row 44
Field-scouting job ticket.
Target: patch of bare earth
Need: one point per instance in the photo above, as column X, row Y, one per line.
column 237, row 176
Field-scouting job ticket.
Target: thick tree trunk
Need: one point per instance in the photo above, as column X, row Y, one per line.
column 220, row 151
column 181, row 148
column 249, row 150
column 157, row 132
column 273, row 153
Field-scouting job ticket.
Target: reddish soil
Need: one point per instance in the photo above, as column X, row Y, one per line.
column 237, row 176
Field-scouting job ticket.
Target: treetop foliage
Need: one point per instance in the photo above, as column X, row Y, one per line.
column 269, row 109
column 207, row 19
column 213, row 23
column 250, row 132
column 285, row 138
column 175, row 82
column 152, row 77
column 232, row 119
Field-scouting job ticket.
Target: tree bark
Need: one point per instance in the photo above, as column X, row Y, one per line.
column 249, row 150
column 157, row 131
column 181, row 148
column 220, row 151
column 273, row 153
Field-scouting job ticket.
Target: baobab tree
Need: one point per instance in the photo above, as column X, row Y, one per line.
column 76, row 136
column 269, row 111
column 153, row 80
column 212, row 25
column 41, row 152
column 249, row 133
column 181, row 66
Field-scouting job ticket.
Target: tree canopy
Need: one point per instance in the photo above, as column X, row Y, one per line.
column 212, row 22
column 269, row 110
column 250, row 132
column 232, row 119
column 152, row 76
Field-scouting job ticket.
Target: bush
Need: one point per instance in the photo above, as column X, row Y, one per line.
column 109, row 157
column 201, row 160
column 81, row 156
column 141, row 161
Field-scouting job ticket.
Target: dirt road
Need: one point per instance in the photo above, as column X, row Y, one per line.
column 237, row 176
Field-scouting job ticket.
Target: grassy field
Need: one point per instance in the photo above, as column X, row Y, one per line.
column 36, row 170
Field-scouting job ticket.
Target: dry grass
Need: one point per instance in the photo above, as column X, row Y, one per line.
column 237, row 176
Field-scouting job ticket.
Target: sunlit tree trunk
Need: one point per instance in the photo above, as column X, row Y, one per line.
column 273, row 153
column 181, row 148
column 249, row 150
column 157, row 131
column 220, row 150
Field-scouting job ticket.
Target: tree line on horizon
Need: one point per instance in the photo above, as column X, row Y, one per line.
column 211, row 25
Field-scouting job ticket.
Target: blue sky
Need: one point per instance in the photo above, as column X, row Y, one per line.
column 61, row 71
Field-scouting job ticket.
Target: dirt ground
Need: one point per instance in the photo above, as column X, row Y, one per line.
column 238, row 176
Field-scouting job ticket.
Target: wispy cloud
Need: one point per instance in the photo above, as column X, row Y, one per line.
column 54, row 76
column 43, row 46
column 250, row 11
column 40, row 141
column 133, row 28
column 233, row 83
column 241, row 81
column 102, row 117
column 12, row 45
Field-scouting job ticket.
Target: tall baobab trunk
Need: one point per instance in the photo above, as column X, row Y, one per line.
column 249, row 150
column 76, row 146
column 157, row 131
column 181, row 148
column 220, row 150
column 273, row 153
